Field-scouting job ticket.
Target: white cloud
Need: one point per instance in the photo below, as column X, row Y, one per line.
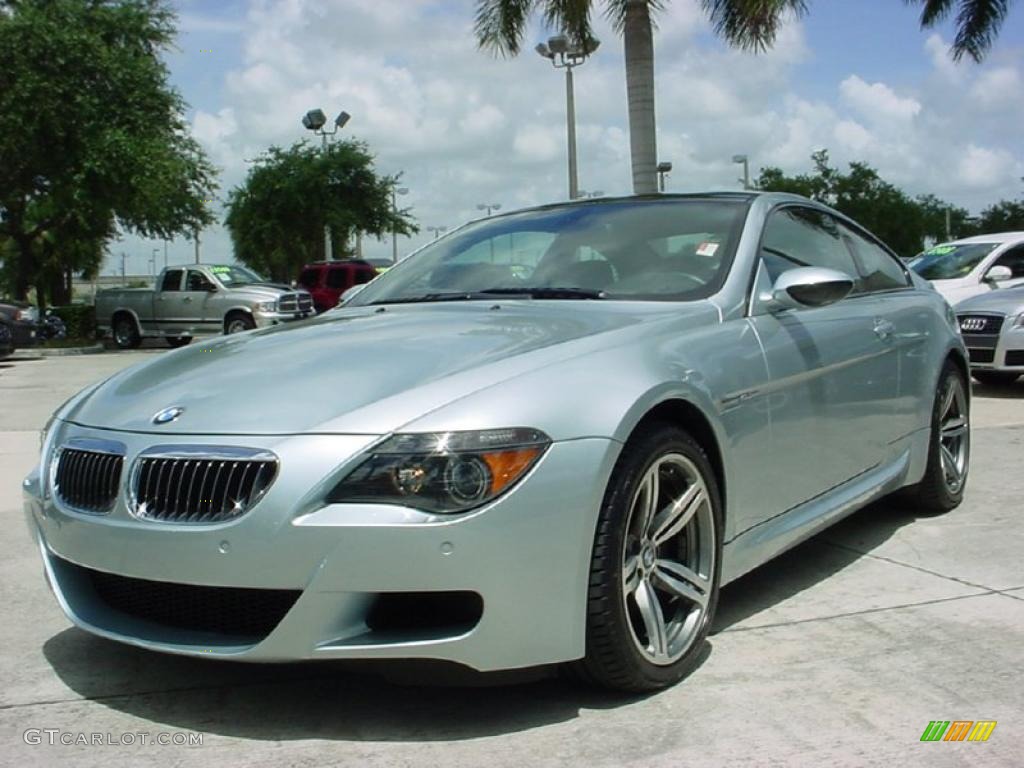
column 938, row 51
column 998, row 88
column 981, row 167
column 877, row 101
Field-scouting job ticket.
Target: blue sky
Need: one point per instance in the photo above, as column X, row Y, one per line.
column 859, row 78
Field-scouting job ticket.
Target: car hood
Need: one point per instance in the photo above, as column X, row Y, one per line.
column 262, row 290
column 362, row 370
column 1009, row 301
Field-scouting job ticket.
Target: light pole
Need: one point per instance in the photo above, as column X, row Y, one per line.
column 152, row 261
column 566, row 55
column 395, row 192
column 437, row 231
column 596, row 193
column 745, row 162
column 489, row 207
column 315, row 120
column 663, row 169
column 165, row 254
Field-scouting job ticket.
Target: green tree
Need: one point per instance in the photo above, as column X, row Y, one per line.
column 276, row 217
column 93, row 139
column 934, row 217
column 750, row 24
column 888, row 212
column 753, row 24
column 1004, row 216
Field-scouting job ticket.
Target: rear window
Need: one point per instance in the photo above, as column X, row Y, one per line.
column 337, row 277
column 308, row 278
column 364, row 275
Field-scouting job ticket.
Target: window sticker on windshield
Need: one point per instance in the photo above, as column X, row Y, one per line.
column 707, row 249
column 220, row 270
column 941, row 250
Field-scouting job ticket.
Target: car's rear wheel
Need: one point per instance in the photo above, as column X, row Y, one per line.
column 995, row 378
column 949, row 449
column 126, row 334
column 656, row 564
column 239, row 323
column 178, row 341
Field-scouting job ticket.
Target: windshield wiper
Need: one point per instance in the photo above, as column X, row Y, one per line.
column 547, row 292
column 493, row 293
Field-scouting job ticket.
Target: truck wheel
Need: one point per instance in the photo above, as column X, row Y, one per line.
column 126, row 335
column 178, row 341
column 238, row 323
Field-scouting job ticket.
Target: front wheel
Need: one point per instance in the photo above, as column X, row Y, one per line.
column 656, row 564
column 238, row 324
column 178, row 341
column 949, row 449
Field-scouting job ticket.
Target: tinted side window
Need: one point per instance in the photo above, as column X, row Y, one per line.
column 364, row 275
column 308, row 278
column 878, row 269
column 1014, row 259
column 338, row 277
column 803, row 237
column 197, row 281
column 171, row 281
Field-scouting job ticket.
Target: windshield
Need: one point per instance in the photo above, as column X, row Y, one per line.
column 664, row 250
column 235, row 275
column 949, row 262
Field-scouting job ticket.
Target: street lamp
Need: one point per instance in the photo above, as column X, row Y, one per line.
column 663, row 169
column 314, row 121
column 152, row 261
column 566, row 55
column 437, row 231
column 596, row 193
column 489, row 207
column 395, row 192
column 745, row 162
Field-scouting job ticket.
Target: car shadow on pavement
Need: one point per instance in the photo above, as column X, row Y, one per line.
column 409, row 701
column 1007, row 392
column 812, row 562
column 345, row 701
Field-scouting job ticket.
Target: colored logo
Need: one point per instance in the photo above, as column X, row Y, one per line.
column 167, row 415
column 958, row 730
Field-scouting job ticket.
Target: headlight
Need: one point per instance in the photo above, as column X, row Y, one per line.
column 443, row 472
column 266, row 306
column 1019, row 321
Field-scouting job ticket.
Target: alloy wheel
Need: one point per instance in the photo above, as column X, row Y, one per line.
column 954, row 435
column 668, row 559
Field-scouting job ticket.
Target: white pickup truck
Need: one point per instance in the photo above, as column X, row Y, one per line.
column 198, row 300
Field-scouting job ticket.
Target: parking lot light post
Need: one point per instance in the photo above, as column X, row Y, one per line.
column 315, row 120
column 745, row 162
column 567, row 56
column 663, row 169
column 437, row 231
column 395, row 192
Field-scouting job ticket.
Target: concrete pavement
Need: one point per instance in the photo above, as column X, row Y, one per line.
column 838, row 653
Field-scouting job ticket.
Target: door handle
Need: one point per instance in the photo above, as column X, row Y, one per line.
column 884, row 329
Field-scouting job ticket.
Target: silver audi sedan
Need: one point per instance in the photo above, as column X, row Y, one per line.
column 549, row 437
column 993, row 329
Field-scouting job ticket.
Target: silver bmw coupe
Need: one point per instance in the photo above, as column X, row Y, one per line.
column 549, row 437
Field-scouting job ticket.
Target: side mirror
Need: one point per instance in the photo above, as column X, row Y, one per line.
column 809, row 287
column 998, row 274
column 350, row 292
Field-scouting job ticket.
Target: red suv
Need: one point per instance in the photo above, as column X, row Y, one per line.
column 327, row 280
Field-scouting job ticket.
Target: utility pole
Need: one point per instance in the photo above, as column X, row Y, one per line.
column 949, row 223
column 196, row 236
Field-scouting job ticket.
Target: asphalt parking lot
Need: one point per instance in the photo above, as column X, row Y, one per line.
column 839, row 653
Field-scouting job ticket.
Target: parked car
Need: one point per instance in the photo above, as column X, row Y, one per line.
column 52, row 326
column 327, row 280
column 381, row 265
column 23, row 319
column 993, row 329
column 974, row 265
column 6, row 338
column 506, row 471
column 199, row 300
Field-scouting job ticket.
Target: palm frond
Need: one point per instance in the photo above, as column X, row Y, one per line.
column 977, row 23
column 500, row 24
column 571, row 17
column 751, row 24
column 615, row 11
column 934, row 11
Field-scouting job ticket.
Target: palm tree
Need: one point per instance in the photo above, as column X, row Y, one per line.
column 747, row 24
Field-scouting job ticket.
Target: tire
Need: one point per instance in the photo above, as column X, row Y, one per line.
column 178, row 341
column 631, row 647
column 995, row 378
column 126, row 334
column 238, row 323
column 942, row 488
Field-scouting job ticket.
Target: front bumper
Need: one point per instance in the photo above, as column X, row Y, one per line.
column 268, row 319
column 1003, row 352
column 24, row 334
column 526, row 556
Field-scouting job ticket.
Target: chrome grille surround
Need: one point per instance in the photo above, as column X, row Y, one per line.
column 980, row 323
column 198, row 484
column 295, row 302
column 85, row 474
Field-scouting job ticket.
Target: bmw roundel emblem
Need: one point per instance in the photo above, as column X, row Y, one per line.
column 167, row 415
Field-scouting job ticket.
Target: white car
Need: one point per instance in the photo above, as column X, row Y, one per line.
column 974, row 265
